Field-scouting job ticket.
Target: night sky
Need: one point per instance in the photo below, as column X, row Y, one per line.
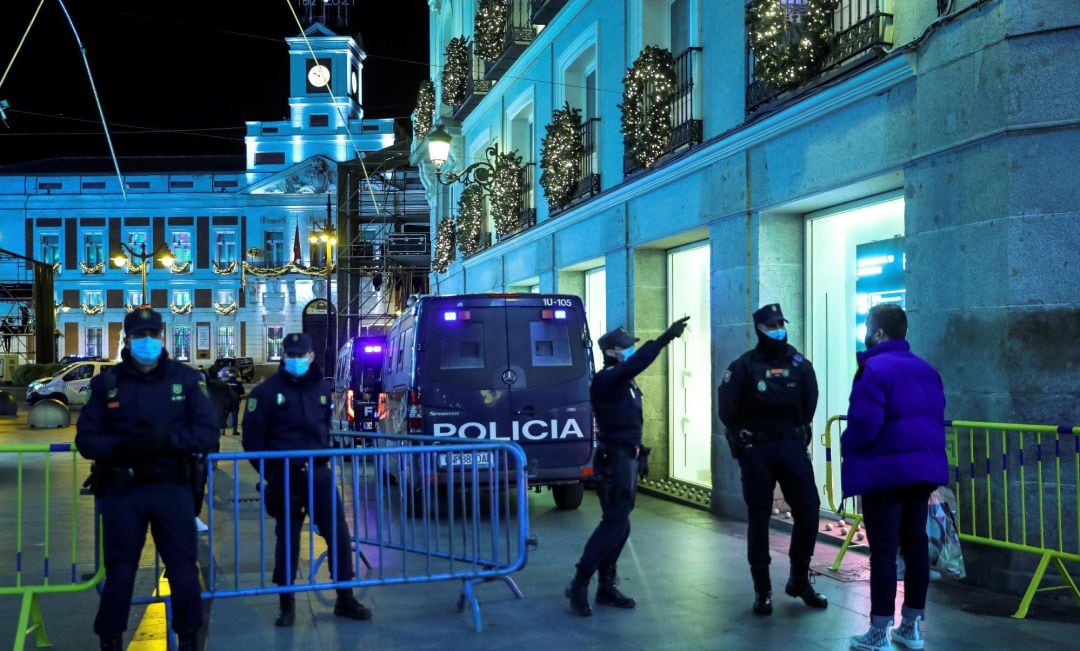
column 200, row 66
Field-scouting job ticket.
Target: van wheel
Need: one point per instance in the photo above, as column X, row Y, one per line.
column 568, row 496
column 59, row 396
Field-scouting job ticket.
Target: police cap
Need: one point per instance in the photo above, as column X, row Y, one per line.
column 617, row 338
column 140, row 319
column 769, row 315
column 296, row 343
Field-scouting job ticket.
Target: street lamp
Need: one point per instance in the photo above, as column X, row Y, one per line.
column 481, row 173
column 327, row 234
column 142, row 256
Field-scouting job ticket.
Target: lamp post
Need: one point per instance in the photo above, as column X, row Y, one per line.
column 481, row 173
column 327, row 234
column 142, row 256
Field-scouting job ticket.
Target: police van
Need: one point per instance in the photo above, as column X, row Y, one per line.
column 511, row 367
column 357, row 384
column 70, row 385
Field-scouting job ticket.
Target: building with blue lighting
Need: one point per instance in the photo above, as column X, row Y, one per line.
column 238, row 228
column 928, row 159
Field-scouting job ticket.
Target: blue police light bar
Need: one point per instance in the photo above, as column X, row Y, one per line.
column 560, row 314
column 372, row 349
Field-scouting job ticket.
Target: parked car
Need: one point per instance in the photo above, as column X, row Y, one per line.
column 70, row 385
column 245, row 367
column 71, row 359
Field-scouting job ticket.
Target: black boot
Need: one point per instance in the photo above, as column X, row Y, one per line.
column 187, row 641
column 607, row 591
column 348, row 607
column 578, row 594
column 286, row 610
column 762, row 589
column 112, row 643
column 799, row 585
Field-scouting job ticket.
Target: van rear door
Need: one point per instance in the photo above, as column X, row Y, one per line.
column 549, row 399
column 462, row 368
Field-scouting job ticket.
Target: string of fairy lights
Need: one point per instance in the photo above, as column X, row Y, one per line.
column 489, row 27
column 444, row 246
column 648, row 92
column 507, row 186
column 455, row 71
column 561, row 149
column 789, row 49
column 470, row 221
column 424, row 115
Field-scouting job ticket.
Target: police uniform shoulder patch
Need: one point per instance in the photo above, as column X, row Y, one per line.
column 202, row 387
column 111, row 393
column 727, row 376
column 252, row 403
column 798, row 359
column 322, row 400
column 761, row 386
column 177, row 389
column 280, row 399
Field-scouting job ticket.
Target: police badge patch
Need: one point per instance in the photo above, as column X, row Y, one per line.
column 322, row 400
column 251, row 402
column 727, row 376
column 761, row 386
column 177, row 389
column 280, row 399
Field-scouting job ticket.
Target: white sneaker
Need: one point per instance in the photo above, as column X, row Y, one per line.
column 875, row 639
column 908, row 635
column 200, row 526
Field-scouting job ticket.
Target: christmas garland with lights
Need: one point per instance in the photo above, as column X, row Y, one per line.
column 444, row 246
column 223, row 269
column 455, row 71
column 490, row 27
column 470, row 219
column 92, row 268
column 180, row 309
column 789, row 52
column 561, row 151
column 646, row 125
column 425, row 109
column 507, row 188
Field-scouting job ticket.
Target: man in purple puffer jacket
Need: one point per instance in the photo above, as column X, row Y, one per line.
column 894, row 456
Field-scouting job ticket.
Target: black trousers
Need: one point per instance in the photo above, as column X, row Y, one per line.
column 169, row 510
column 786, row 462
column 896, row 520
column 339, row 558
column 616, row 470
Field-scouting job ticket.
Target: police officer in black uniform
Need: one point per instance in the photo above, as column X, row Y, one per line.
column 767, row 401
column 145, row 421
column 620, row 459
column 290, row 410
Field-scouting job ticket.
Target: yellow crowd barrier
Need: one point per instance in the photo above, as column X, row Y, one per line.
column 990, row 467
column 30, row 584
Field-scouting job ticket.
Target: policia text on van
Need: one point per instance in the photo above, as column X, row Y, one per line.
column 496, row 366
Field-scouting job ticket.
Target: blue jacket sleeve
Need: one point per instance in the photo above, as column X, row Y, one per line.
column 91, row 438
column 866, row 412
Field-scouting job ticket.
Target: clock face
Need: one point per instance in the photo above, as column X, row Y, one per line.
column 318, row 76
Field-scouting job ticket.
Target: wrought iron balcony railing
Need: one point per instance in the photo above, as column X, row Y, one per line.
column 685, row 109
column 544, row 10
column 519, row 33
column 588, row 168
column 476, row 87
column 527, row 214
column 862, row 30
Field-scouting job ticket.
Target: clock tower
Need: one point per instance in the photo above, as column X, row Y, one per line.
column 325, row 76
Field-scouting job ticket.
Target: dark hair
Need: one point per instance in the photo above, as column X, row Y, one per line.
column 890, row 318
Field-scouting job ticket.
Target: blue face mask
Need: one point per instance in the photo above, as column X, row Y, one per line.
column 297, row 366
column 778, row 335
column 626, row 353
column 145, row 350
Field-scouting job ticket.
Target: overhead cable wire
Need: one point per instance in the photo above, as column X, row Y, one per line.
column 21, row 41
column 195, row 131
column 97, row 100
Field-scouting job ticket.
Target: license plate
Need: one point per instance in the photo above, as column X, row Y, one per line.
column 483, row 459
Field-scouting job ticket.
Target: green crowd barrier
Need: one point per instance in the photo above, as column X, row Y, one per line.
column 30, row 618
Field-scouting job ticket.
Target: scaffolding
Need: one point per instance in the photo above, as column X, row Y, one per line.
column 27, row 312
column 384, row 225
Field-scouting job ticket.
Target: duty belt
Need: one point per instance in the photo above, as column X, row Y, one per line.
column 770, row 436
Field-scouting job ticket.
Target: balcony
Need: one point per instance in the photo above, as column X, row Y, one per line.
column 685, row 108
column 544, row 10
column 588, row 176
column 527, row 215
column 519, row 33
column 476, row 88
column 862, row 29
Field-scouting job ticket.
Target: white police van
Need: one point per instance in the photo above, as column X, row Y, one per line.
column 512, row 367
column 71, row 385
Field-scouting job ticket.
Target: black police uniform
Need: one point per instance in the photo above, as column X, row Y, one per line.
column 619, row 459
column 293, row 413
column 767, row 401
column 142, row 430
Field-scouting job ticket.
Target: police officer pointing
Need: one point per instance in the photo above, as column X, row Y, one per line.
column 767, row 401
column 290, row 410
column 620, row 459
column 145, row 420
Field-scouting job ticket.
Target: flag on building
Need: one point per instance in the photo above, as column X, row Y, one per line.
column 297, row 258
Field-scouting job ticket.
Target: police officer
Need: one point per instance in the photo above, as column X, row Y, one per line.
column 620, row 459
column 145, row 420
column 290, row 410
column 767, row 401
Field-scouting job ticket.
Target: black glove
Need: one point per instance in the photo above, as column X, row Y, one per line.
column 674, row 332
column 643, row 462
column 150, row 439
